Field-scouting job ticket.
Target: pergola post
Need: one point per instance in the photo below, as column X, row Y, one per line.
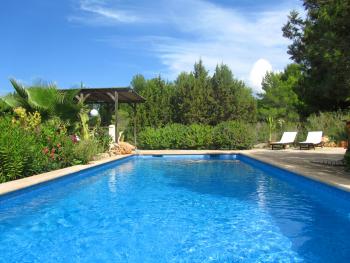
column 135, row 125
column 116, row 115
column 115, row 98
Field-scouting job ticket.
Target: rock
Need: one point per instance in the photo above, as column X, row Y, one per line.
column 325, row 139
column 327, row 142
column 121, row 148
column 126, row 148
column 330, row 144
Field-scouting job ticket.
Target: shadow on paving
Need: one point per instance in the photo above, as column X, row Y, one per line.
column 302, row 160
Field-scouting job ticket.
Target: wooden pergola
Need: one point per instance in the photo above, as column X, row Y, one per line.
column 112, row 96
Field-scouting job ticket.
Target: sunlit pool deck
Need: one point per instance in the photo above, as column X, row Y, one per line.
column 297, row 161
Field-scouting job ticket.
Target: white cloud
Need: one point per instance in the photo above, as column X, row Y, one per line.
column 95, row 12
column 116, row 15
column 259, row 69
column 222, row 35
column 201, row 29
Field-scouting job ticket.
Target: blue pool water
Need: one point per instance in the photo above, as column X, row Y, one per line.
column 177, row 209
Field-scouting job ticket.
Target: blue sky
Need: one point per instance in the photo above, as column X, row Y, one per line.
column 103, row 43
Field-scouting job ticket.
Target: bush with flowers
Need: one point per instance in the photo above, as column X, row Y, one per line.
column 28, row 146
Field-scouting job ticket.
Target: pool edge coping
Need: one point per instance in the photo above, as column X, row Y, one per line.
column 339, row 186
column 27, row 182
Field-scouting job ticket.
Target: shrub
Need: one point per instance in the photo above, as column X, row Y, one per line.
column 262, row 132
column 227, row 135
column 20, row 154
column 347, row 159
column 62, row 150
column 29, row 147
column 149, row 139
column 234, row 135
column 85, row 150
column 198, row 137
column 169, row 137
column 331, row 123
column 102, row 137
column 176, row 136
column 57, row 145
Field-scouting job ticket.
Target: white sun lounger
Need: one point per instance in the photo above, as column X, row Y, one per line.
column 313, row 139
column 287, row 138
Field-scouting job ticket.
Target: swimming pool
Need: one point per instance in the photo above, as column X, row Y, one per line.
column 197, row 208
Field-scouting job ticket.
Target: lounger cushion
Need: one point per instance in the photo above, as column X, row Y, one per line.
column 287, row 137
column 314, row 137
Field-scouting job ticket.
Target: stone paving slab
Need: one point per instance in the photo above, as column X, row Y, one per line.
column 302, row 162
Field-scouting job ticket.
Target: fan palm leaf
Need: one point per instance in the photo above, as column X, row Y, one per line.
column 4, row 106
column 43, row 98
column 17, row 99
column 19, row 88
column 67, row 108
column 14, row 101
column 46, row 99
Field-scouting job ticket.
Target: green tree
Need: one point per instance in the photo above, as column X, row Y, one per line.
column 320, row 45
column 194, row 100
column 279, row 100
column 183, row 98
column 157, row 110
column 233, row 100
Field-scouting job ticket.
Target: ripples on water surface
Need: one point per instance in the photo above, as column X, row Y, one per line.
column 175, row 210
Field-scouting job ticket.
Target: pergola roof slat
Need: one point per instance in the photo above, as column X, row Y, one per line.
column 100, row 95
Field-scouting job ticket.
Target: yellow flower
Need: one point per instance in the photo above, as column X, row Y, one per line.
column 20, row 112
column 27, row 120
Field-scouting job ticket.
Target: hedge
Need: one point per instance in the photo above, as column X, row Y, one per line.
column 226, row 135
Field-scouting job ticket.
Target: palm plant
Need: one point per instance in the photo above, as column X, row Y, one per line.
column 84, row 123
column 4, row 107
column 46, row 99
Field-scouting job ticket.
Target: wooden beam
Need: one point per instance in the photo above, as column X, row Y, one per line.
column 116, row 115
column 112, row 96
column 81, row 98
column 115, row 99
column 135, row 125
